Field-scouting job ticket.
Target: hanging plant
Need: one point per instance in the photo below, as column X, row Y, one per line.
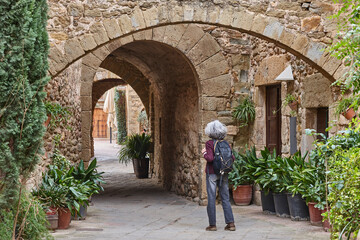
column 120, row 110
column 244, row 112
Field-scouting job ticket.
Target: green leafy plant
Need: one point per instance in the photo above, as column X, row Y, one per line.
column 344, row 193
column 262, row 170
column 135, row 146
column 345, row 103
column 30, row 223
column 120, row 111
column 244, row 112
column 241, row 173
column 58, row 114
column 289, row 99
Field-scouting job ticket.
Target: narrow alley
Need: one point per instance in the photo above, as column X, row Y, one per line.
column 132, row 208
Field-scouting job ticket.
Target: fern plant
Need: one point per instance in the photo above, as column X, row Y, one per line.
column 244, row 112
column 135, row 146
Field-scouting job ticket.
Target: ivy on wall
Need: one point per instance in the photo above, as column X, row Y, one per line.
column 23, row 75
column 120, row 110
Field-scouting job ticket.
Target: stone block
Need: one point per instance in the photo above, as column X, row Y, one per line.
column 213, row 67
column 138, row 36
column 158, row 34
column 259, row 23
column 99, row 33
column 113, row 45
column 137, row 19
column 75, row 9
column 213, row 13
column 73, row 49
column 300, row 43
column 86, row 155
column 310, row 23
column 204, row 49
column 173, row 34
column 340, row 72
column 86, row 121
column 61, row 36
column 190, row 37
column 101, row 52
column 287, row 38
column 92, row 61
column 213, row 103
column 127, row 39
column 87, row 73
column 315, row 51
column 151, row 16
column 188, row 13
column 232, row 130
column 93, row 13
column 52, row 70
column 240, row 62
column 243, row 20
column 112, row 28
column 176, row 14
column 87, row 42
column 208, row 116
column 57, row 58
column 163, row 14
column 226, row 15
column 227, row 121
column 316, row 92
column 200, row 13
column 269, row 69
column 86, row 103
column 331, row 65
column 86, row 89
column 274, row 30
column 125, row 24
column 218, row 86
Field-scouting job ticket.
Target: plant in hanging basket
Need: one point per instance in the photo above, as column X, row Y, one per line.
column 347, row 107
column 244, row 112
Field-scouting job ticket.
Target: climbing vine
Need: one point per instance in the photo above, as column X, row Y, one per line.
column 120, row 110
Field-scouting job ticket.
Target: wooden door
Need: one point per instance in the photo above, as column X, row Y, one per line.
column 273, row 118
column 99, row 123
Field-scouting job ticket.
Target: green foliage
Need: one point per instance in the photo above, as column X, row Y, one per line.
column 289, row 99
column 135, row 146
column 143, row 119
column 31, row 222
column 69, row 187
column 344, row 192
column 241, row 173
column 120, row 110
column 346, row 103
column 58, row 114
column 244, row 112
column 347, row 46
column 23, row 69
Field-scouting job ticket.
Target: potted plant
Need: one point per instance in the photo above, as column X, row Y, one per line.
column 291, row 101
column 241, row 180
column 92, row 178
column 261, row 167
column 297, row 205
column 136, row 148
column 347, row 107
column 244, row 112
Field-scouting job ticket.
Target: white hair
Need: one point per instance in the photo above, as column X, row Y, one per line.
column 216, row 130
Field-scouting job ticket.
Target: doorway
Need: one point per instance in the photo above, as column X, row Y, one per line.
column 273, row 118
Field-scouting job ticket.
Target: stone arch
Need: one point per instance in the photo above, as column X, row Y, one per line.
column 139, row 24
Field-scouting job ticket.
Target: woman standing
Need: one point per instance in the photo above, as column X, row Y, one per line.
column 216, row 131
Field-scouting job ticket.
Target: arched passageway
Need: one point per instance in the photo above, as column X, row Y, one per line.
column 174, row 113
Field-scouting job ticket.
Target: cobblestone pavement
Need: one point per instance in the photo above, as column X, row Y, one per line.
column 133, row 208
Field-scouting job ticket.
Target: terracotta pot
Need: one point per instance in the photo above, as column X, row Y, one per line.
column 64, row 218
column 52, row 218
column 349, row 113
column 326, row 224
column 242, row 195
column 293, row 105
column 315, row 214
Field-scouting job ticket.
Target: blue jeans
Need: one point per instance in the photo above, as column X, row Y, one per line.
column 212, row 181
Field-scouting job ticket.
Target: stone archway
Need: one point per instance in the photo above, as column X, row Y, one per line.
column 113, row 43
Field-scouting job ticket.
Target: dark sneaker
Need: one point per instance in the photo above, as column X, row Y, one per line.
column 211, row 228
column 230, row 227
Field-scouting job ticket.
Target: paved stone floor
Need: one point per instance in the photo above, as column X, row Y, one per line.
column 133, row 209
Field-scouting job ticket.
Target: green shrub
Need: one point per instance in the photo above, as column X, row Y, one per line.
column 31, row 222
column 244, row 112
